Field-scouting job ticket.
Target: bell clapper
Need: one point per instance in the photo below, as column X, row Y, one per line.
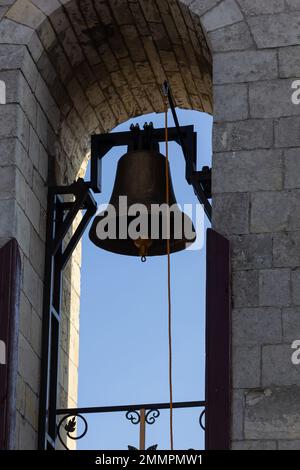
column 143, row 245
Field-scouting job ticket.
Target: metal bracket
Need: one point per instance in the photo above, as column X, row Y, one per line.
column 201, row 181
column 185, row 136
column 60, row 218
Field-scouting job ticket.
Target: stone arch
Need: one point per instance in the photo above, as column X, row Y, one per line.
column 101, row 63
column 81, row 66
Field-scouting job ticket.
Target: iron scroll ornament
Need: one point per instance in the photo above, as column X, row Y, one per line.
column 70, row 428
column 151, row 416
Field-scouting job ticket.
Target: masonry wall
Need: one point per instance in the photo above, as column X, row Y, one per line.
column 64, row 83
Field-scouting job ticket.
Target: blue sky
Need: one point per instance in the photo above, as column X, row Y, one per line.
column 123, row 321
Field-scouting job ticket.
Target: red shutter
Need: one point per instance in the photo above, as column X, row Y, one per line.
column 218, row 342
column 10, row 278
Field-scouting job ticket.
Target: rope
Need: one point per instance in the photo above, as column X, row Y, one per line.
column 169, row 278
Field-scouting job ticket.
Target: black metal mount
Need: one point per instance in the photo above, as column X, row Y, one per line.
column 149, row 137
column 60, row 217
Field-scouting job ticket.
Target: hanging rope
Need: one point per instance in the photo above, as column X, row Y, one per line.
column 169, row 276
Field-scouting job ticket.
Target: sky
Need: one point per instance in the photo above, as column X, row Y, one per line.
column 124, row 320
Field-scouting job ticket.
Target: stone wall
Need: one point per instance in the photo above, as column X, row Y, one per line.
column 77, row 67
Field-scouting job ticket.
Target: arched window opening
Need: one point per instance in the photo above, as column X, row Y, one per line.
column 123, row 320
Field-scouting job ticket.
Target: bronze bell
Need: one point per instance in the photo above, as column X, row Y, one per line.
column 141, row 177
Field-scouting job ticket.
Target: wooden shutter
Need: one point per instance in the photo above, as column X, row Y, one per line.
column 218, row 342
column 10, row 279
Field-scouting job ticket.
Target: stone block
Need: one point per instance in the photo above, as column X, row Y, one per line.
column 43, row 163
column 286, row 249
column 77, row 94
column 245, row 288
column 275, row 287
column 48, row 37
column 246, row 366
column 35, row 47
column 139, row 18
column 40, row 188
column 272, row 99
column 245, row 66
column 36, row 332
column 293, row 4
column 275, row 211
column 42, row 231
column 72, row 380
column 12, row 56
column 237, row 413
column 8, row 182
column 291, row 324
column 23, row 11
column 259, row 7
column 28, row 437
column 90, row 120
column 230, row 38
column 28, row 101
column 34, row 147
column 37, row 252
column 32, row 285
column 20, row 187
column 14, row 123
column 42, row 127
column 14, row 33
column 33, row 208
column 20, row 395
column 225, row 13
column 47, row 103
column 47, row 71
column 150, row 11
column 256, row 326
column 296, row 286
column 200, row 7
column 276, row 30
column 3, row 10
column 287, row 132
column 25, row 316
column 273, row 413
column 254, row 445
column 73, row 349
column 289, row 445
column 231, row 102
column 47, row 6
column 251, row 251
column 255, row 170
column 31, row 408
column 278, row 369
column 22, row 230
column 8, row 214
column 292, row 168
column 289, row 66
column 231, row 213
column 243, row 135
column 13, row 153
column 29, row 364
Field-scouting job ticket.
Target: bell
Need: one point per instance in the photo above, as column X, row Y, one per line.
column 141, row 180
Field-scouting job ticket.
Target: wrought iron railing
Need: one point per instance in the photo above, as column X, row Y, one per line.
column 142, row 415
